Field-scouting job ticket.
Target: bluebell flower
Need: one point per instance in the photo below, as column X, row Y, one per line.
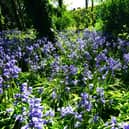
column 113, row 122
column 125, row 126
column 23, row 87
column 95, row 118
column 30, row 48
column 15, row 72
column 100, row 93
column 85, row 102
column 35, row 113
column 72, row 55
column 100, row 40
column 54, row 94
column 81, row 44
column 50, row 113
column 66, row 111
column 126, row 57
column 25, row 97
column 88, row 56
column 24, row 93
column 86, row 33
column 101, row 57
column 55, row 66
column 73, row 70
column 78, row 116
column 113, row 64
column 11, row 70
column 87, row 74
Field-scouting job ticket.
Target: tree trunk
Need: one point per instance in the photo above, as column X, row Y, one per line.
column 60, row 3
column 86, row 4
column 38, row 12
column 92, row 5
column 92, row 13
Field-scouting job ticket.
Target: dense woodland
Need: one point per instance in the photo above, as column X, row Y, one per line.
column 64, row 69
column 46, row 18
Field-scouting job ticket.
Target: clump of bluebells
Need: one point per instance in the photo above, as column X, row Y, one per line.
column 32, row 113
column 72, row 81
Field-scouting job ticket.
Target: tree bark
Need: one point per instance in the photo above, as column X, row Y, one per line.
column 38, row 12
column 86, row 4
column 92, row 5
column 60, row 3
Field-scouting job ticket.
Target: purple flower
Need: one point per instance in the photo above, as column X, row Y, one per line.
column 88, row 56
column 85, row 102
column 50, row 113
column 78, row 116
column 15, row 71
column 113, row 64
column 100, row 93
column 125, row 126
column 113, row 121
column 99, row 40
column 87, row 74
column 100, row 58
column 66, row 111
column 81, row 44
column 35, row 113
column 54, row 95
column 126, row 57
column 73, row 69
column 30, row 48
column 10, row 70
column 96, row 117
column 23, row 87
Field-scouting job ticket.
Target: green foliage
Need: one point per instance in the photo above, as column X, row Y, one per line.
column 77, row 19
column 73, row 83
column 22, row 35
column 82, row 18
column 2, row 19
column 115, row 16
column 64, row 21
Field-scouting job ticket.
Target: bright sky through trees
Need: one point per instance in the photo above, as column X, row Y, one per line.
column 71, row 4
column 75, row 3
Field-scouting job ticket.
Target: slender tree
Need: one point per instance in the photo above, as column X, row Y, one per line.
column 92, row 5
column 86, row 3
column 92, row 13
column 60, row 3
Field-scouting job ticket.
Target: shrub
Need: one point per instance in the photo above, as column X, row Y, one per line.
column 64, row 21
column 115, row 16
